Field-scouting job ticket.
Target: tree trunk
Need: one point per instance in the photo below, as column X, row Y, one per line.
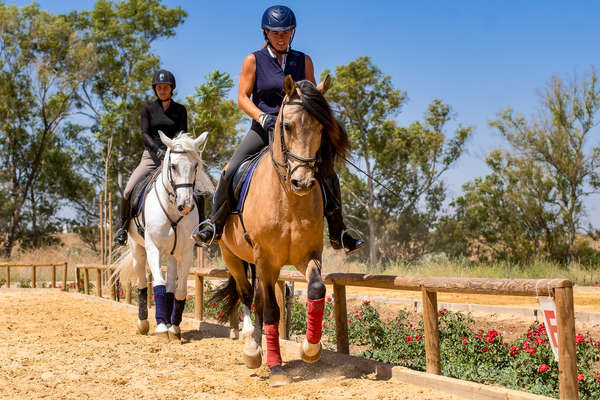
column 371, row 212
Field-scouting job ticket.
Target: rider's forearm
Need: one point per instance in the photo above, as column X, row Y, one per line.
column 148, row 141
column 249, row 107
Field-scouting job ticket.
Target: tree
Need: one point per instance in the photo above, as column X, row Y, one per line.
column 531, row 204
column 408, row 161
column 210, row 110
column 43, row 62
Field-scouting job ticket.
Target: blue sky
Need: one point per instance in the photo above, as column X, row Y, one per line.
column 477, row 56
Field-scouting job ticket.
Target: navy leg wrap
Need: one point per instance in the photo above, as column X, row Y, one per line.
column 177, row 314
column 143, row 304
column 169, row 299
column 162, row 313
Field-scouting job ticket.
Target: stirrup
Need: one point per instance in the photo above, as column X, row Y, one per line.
column 344, row 232
column 197, row 229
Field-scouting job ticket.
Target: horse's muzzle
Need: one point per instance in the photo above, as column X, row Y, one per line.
column 302, row 187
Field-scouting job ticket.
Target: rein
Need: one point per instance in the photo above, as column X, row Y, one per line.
column 311, row 162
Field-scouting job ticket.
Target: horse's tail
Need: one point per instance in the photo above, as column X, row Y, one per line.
column 227, row 295
column 123, row 269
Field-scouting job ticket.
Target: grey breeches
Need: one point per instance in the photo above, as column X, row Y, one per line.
column 145, row 167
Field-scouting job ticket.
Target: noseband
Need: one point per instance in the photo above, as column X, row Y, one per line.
column 311, row 163
column 172, row 195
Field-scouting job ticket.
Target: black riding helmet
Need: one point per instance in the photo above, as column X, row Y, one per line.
column 278, row 18
column 163, row 76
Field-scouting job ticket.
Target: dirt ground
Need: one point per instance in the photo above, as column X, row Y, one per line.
column 56, row 345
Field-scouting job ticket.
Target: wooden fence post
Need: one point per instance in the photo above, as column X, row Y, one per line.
column 432, row 334
column 33, row 277
column 281, row 301
column 53, row 275
column 199, row 301
column 65, row 277
column 341, row 321
column 86, row 281
column 567, row 354
column 8, row 277
column 128, row 290
column 99, row 282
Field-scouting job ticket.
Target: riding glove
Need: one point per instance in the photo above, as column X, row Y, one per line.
column 267, row 121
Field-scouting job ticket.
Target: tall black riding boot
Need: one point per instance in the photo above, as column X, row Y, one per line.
column 212, row 229
column 199, row 199
column 124, row 216
column 339, row 235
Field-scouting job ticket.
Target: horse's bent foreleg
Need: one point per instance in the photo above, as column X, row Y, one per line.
column 163, row 313
column 311, row 348
column 139, row 266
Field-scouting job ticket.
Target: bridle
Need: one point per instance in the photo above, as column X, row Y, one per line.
column 311, row 162
column 172, row 196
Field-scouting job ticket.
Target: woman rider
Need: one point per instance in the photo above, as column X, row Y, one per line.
column 262, row 77
column 165, row 115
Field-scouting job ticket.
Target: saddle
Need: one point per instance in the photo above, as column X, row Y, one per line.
column 136, row 199
column 242, row 178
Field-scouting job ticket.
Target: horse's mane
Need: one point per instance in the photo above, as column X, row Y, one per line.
column 334, row 140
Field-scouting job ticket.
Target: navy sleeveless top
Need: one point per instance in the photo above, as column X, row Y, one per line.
column 267, row 93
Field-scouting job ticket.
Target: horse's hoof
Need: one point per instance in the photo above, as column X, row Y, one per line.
column 253, row 361
column 175, row 334
column 308, row 353
column 143, row 327
column 278, row 377
column 162, row 332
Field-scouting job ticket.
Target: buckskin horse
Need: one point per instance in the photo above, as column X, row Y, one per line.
column 282, row 224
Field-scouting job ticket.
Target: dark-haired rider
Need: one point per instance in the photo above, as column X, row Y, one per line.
column 262, row 78
column 165, row 115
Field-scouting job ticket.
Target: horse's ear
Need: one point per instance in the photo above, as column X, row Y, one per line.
column 166, row 141
column 323, row 87
column 289, row 87
column 200, row 142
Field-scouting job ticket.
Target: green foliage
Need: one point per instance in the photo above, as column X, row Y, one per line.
column 210, row 110
column 24, row 283
column 531, row 205
column 408, row 160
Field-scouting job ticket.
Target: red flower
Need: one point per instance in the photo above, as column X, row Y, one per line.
column 598, row 377
column 526, row 344
column 366, row 302
column 418, row 337
column 513, row 350
column 484, row 349
column 491, row 336
column 579, row 339
column 544, row 367
column 408, row 339
column 324, row 324
column 531, row 350
column 580, row 377
column 329, row 299
column 221, row 314
column 464, row 338
column 540, row 341
column 350, row 320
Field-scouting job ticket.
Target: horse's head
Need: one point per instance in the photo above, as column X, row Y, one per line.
column 181, row 167
column 306, row 125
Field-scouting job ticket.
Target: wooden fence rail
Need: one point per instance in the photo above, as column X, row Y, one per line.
column 560, row 289
column 34, row 268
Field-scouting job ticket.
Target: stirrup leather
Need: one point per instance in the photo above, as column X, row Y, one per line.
column 214, row 232
column 346, row 231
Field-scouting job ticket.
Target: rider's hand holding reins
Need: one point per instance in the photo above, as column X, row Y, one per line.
column 267, row 121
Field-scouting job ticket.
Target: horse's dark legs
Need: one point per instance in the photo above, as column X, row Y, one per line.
column 311, row 349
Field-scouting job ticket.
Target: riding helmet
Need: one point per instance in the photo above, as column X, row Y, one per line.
column 163, row 76
column 278, row 18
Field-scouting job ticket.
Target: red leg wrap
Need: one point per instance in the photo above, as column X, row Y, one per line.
column 272, row 339
column 314, row 316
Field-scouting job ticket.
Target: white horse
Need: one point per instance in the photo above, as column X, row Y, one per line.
column 170, row 216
